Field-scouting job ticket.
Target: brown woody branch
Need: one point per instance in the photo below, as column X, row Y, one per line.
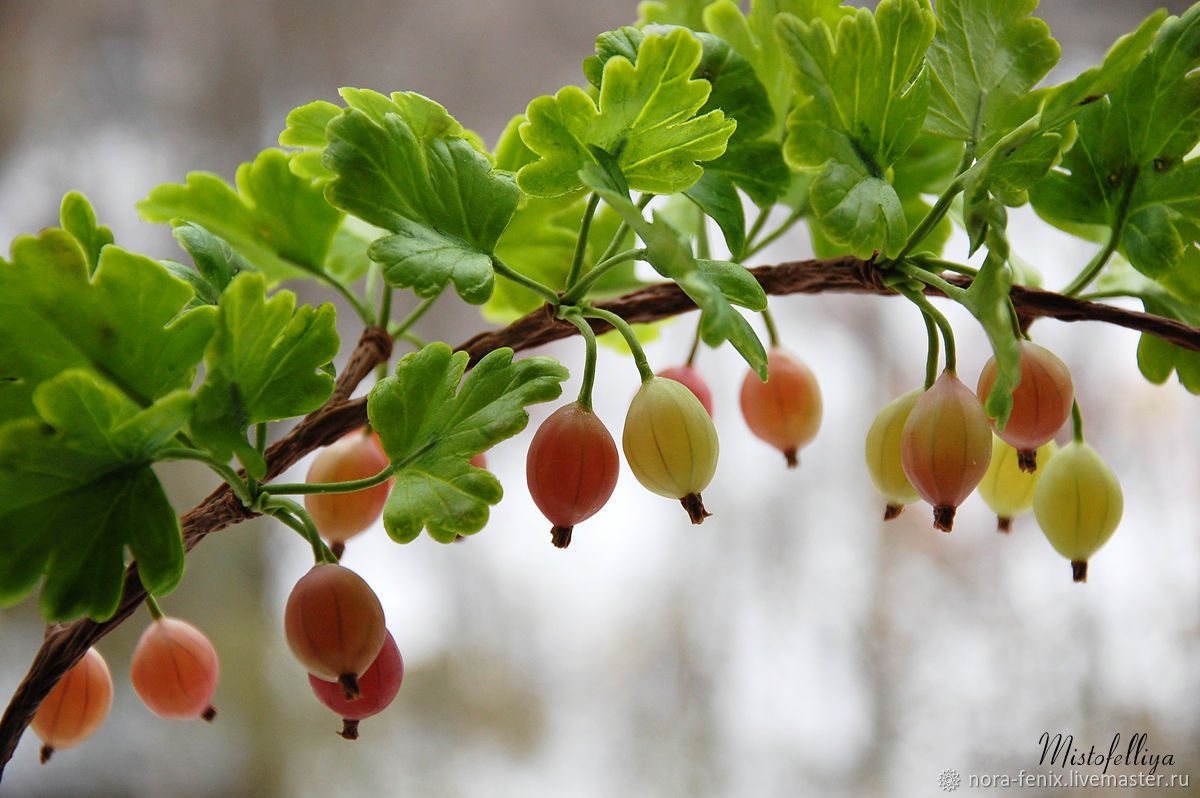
column 65, row 644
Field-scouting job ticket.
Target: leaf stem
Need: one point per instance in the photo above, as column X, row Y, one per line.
column 623, row 230
column 239, row 487
column 756, row 227
column 585, row 227
column 774, row 235
column 399, row 329
column 575, row 316
column 580, row 289
column 1096, row 264
column 931, row 220
column 507, row 272
column 361, row 309
column 349, row 486
column 635, row 346
column 772, row 330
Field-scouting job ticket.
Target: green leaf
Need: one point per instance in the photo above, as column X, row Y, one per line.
column 753, row 36
column 216, row 263
column 712, row 285
column 306, row 125
column 985, row 57
column 862, row 98
column 1157, row 358
column 264, row 363
column 440, row 197
column 645, row 118
column 432, row 421
column 717, row 196
column 988, row 300
column 277, row 220
column 76, row 489
column 688, row 13
column 124, row 321
column 77, row 218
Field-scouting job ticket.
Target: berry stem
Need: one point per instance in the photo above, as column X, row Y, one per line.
column 575, row 316
column 631, row 339
column 296, row 517
column 349, row 486
column 931, row 357
column 1076, row 422
column 773, row 236
column 400, row 329
column 917, row 298
column 691, row 358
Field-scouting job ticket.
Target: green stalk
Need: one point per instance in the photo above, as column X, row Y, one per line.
column 239, row 487
column 702, row 247
column 933, row 280
column 296, row 517
column 308, row 488
column 772, row 330
column 152, row 607
column 399, row 329
column 756, row 227
column 917, row 298
column 691, row 358
column 579, row 290
column 769, row 239
column 1076, row 422
column 931, row 358
column 931, row 220
column 623, row 229
column 573, row 315
column 533, row 285
column 635, row 346
column 1096, row 264
column 585, row 227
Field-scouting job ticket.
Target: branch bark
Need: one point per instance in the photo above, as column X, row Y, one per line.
column 65, row 644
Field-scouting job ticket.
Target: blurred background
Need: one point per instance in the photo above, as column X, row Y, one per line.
column 793, row 645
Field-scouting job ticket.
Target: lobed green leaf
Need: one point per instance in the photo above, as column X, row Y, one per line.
column 432, row 421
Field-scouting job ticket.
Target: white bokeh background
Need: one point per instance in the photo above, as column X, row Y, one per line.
column 792, row 645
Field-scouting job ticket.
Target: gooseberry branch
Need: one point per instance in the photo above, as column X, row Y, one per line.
column 65, row 644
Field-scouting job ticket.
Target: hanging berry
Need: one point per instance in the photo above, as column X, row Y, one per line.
column 334, row 624
column 1041, row 401
column 883, row 454
column 671, row 444
column 341, row 516
column 75, row 707
column 571, row 468
column 784, row 411
column 1078, row 504
column 174, row 670
column 945, row 446
column 1005, row 488
column 378, row 685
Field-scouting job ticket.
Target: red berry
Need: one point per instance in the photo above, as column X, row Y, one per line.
column 945, row 446
column 76, row 706
column 1041, row 401
column 571, row 468
column 341, row 516
column 174, row 670
column 378, row 685
column 784, row 411
column 334, row 624
column 695, row 382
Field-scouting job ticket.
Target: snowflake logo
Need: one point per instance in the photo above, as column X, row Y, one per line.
column 949, row 780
